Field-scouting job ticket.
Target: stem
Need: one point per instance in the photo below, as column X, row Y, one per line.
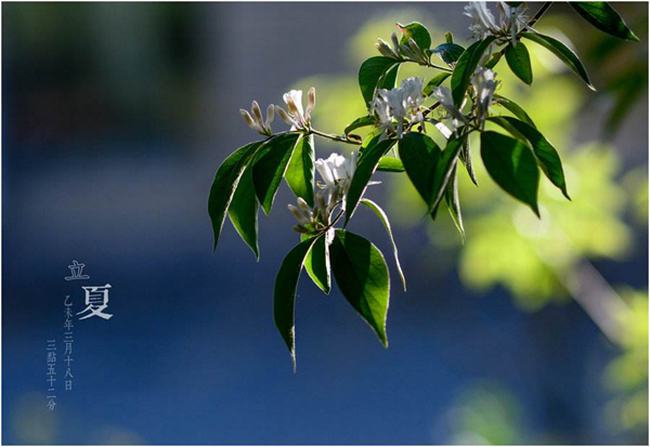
column 339, row 138
column 538, row 15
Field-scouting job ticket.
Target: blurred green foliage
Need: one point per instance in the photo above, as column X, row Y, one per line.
column 506, row 244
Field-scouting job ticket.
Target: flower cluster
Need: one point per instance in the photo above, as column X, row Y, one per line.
column 336, row 173
column 410, row 50
column 484, row 84
column 256, row 121
column 394, row 107
column 511, row 21
column 295, row 116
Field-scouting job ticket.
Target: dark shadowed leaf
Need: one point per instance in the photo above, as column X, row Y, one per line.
column 564, row 53
column 317, row 264
column 546, row 155
column 270, row 165
column 371, row 72
column 224, row 185
column 300, row 171
column 284, row 296
column 362, row 275
column 511, row 164
column 381, row 214
column 465, row 67
column 366, row 166
column 519, row 62
column 466, row 158
column 449, row 52
column 605, row 18
column 243, row 211
column 420, row 155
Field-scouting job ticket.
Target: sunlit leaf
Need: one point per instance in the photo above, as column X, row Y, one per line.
column 452, row 199
column 564, row 53
column 371, row 73
column 605, row 18
column 243, row 211
column 384, row 220
column 514, row 108
column 362, row 275
column 317, row 264
column 366, row 166
column 360, row 122
column 284, row 296
column 417, row 32
column 224, row 185
column 465, row 67
column 270, row 165
column 435, row 82
column 300, row 171
column 390, row 164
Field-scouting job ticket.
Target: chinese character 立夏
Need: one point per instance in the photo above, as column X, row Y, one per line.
column 76, row 270
column 96, row 301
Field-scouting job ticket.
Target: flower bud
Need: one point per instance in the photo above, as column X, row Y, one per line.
column 247, row 118
column 311, row 101
column 283, row 115
column 269, row 115
column 257, row 112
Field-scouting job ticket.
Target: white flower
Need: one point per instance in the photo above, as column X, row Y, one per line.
column 393, row 107
column 337, row 171
column 484, row 84
column 511, row 21
column 295, row 116
column 257, row 121
column 443, row 95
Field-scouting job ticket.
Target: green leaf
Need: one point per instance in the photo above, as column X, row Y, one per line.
column 300, row 171
column 514, row 108
column 605, row 18
column 284, row 296
column 420, row 155
column 444, row 170
column 390, row 164
column 466, row 157
column 224, row 185
column 366, row 166
column 417, row 32
column 390, row 77
column 448, row 52
column 519, row 62
column 317, row 264
column 360, row 122
column 435, row 82
column 362, row 275
column 512, row 166
column 270, row 165
column 453, row 204
column 564, row 53
column 372, row 71
column 243, row 211
column 547, row 156
column 384, row 220
column 465, row 67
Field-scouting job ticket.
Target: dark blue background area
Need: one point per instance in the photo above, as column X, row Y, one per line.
column 191, row 355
